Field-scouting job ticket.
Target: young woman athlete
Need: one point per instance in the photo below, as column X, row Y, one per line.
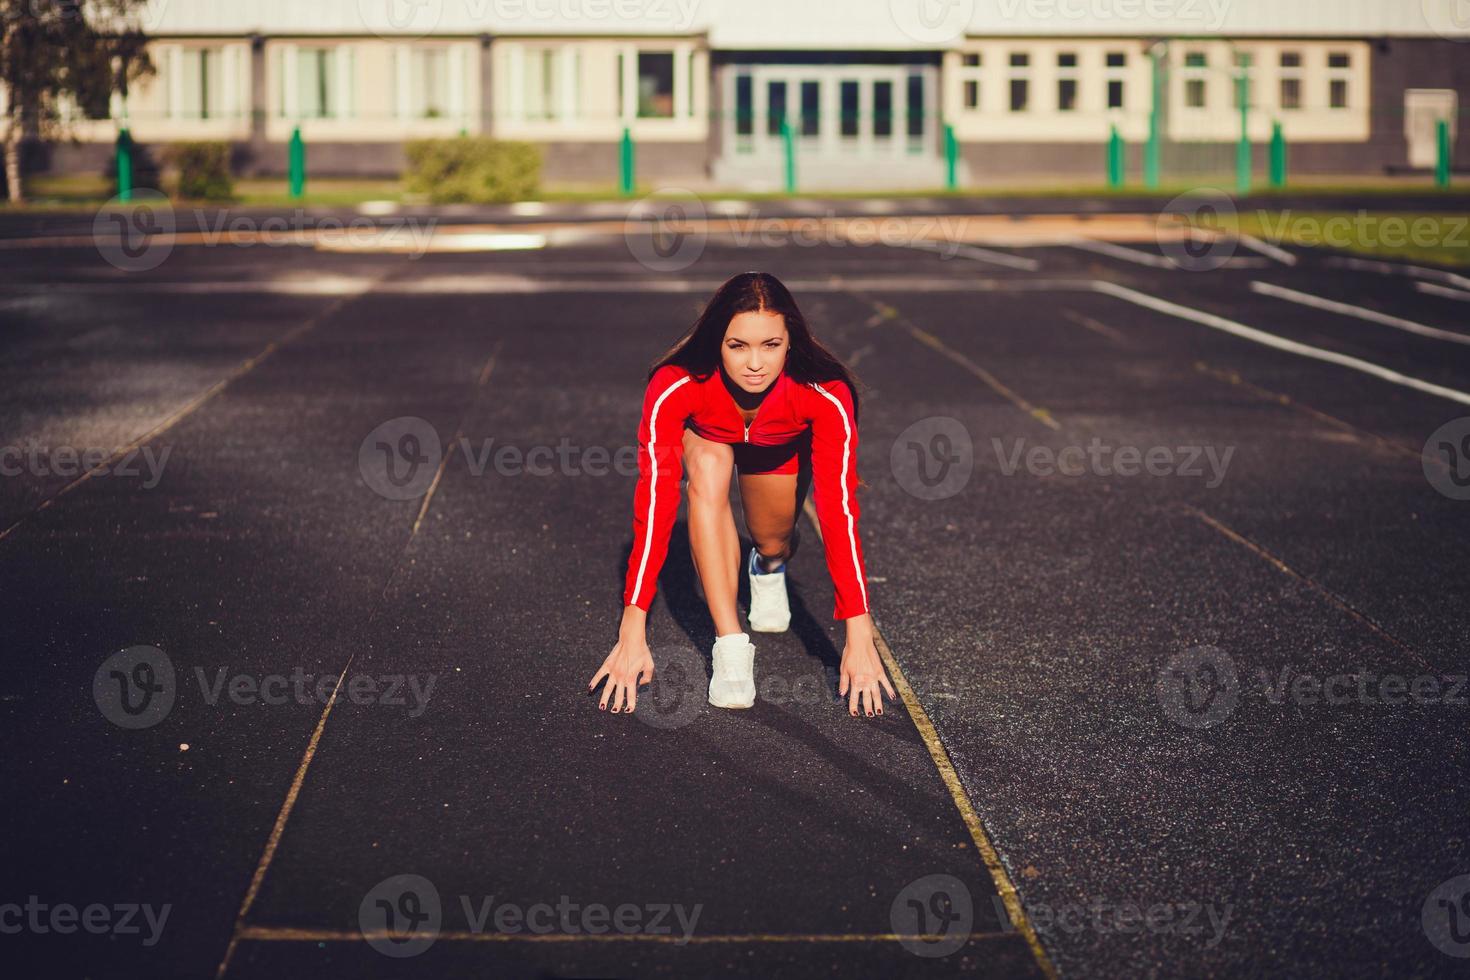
column 747, row 389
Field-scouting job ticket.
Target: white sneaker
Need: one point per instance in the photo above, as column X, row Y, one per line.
column 770, row 612
column 732, row 682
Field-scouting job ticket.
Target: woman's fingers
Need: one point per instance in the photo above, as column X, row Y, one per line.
column 597, row 677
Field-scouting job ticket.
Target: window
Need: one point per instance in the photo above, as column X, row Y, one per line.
column 847, row 97
column 1291, row 80
column 914, row 107
column 1067, row 82
column 540, row 90
column 200, row 85
column 1195, row 91
column 1020, row 79
column 970, row 67
column 656, row 85
column 1117, row 66
column 744, row 105
column 1244, row 62
column 1339, row 70
column 317, row 95
column 811, row 109
column 882, row 109
column 775, row 107
column 428, row 83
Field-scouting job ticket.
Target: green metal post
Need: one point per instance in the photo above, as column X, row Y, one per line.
column 1243, row 148
column 625, row 163
column 296, row 167
column 951, row 157
column 789, row 139
column 1278, row 156
column 124, row 165
column 1115, row 157
column 1442, row 162
column 1156, row 108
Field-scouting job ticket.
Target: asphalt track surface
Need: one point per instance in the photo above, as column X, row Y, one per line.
column 1099, row 656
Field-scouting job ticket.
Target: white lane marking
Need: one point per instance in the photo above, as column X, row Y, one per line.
column 1148, row 258
column 980, row 254
column 1280, row 343
column 1119, row 252
column 314, row 286
column 441, row 241
column 1394, row 269
column 1096, row 326
column 1433, row 290
column 1359, row 312
column 506, row 283
column 1266, row 248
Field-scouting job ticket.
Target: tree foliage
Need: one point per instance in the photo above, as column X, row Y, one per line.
column 59, row 54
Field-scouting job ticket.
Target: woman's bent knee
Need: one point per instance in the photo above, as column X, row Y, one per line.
column 709, row 467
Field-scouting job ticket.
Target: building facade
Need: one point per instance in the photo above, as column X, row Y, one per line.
column 867, row 93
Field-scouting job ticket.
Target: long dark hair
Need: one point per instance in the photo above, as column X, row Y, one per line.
column 698, row 351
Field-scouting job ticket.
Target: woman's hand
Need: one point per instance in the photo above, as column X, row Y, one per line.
column 629, row 664
column 862, row 669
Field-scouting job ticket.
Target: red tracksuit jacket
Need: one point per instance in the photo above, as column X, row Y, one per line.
column 674, row 397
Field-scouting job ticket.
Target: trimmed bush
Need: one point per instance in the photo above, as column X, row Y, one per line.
column 473, row 170
column 204, row 171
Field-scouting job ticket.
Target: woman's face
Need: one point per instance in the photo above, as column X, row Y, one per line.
column 754, row 349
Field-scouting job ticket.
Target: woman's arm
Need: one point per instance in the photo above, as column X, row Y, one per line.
column 655, row 503
column 660, row 469
column 834, row 484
